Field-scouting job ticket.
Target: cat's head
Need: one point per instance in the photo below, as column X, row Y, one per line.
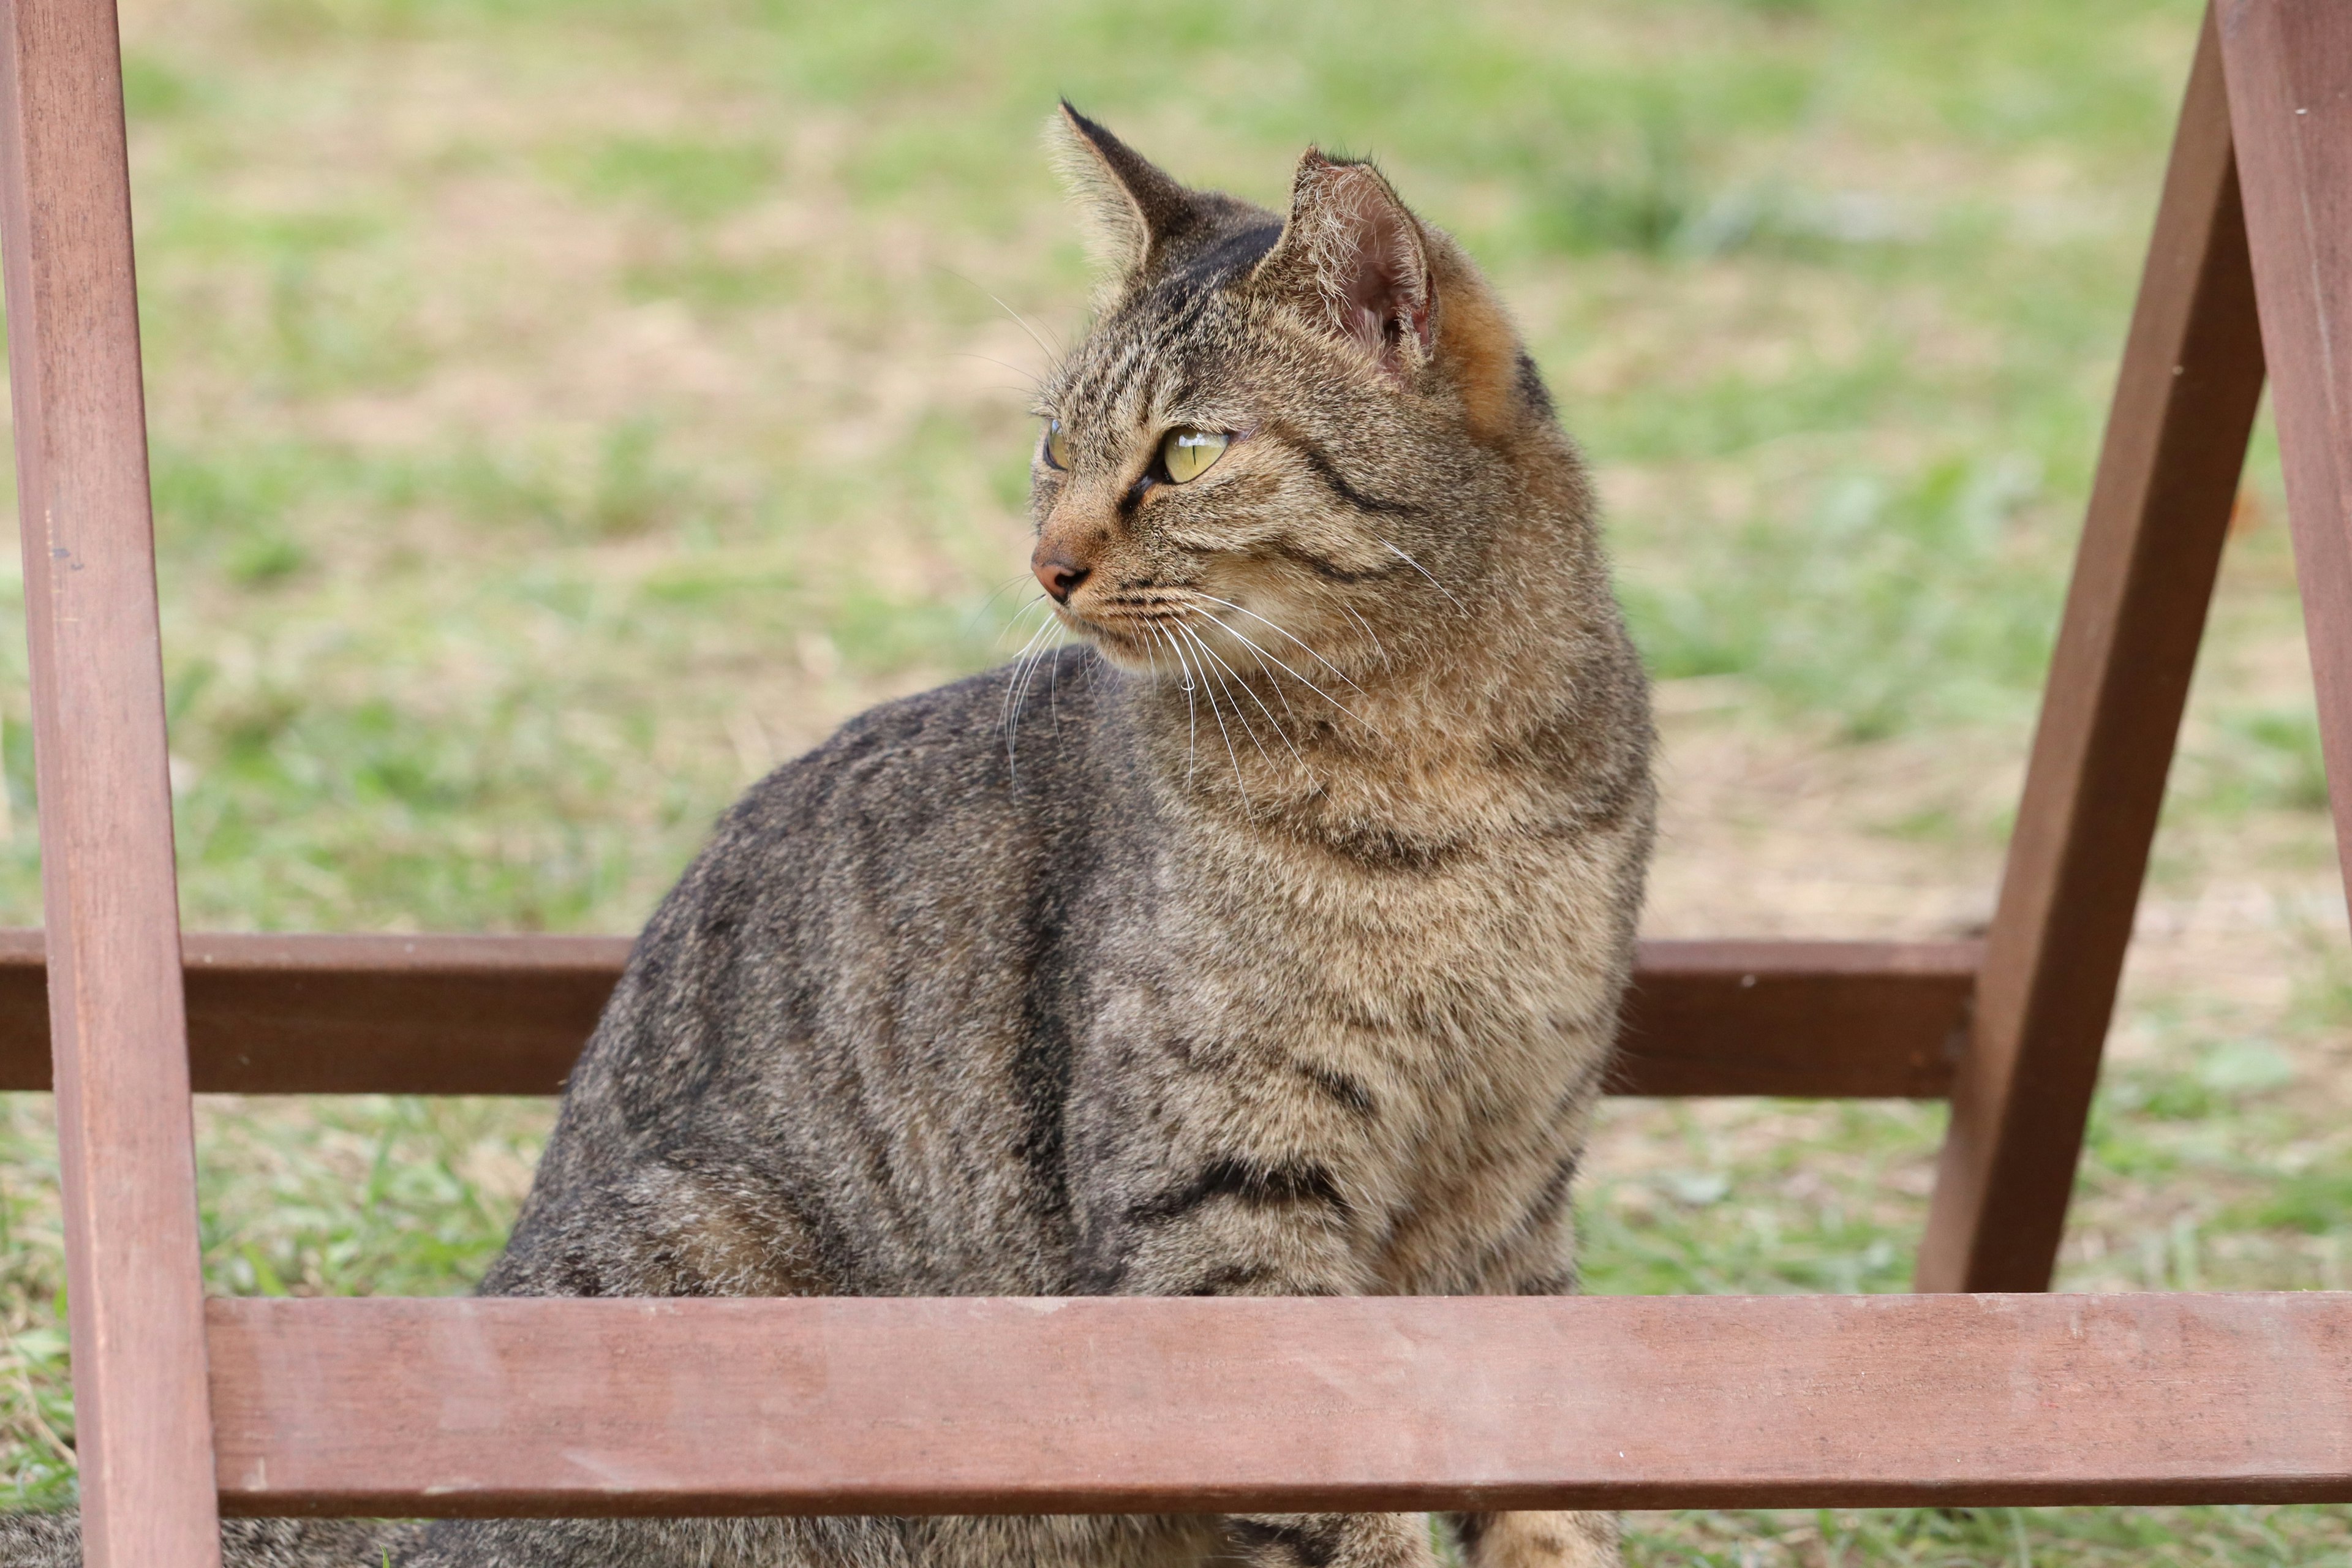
column 1287, row 441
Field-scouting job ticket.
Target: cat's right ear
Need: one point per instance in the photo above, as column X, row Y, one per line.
column 1129, row 208
column 1353, row 259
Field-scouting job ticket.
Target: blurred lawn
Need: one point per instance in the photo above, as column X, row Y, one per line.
column 563, row 411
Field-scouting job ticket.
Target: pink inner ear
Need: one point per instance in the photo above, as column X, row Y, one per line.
column 1386, row 294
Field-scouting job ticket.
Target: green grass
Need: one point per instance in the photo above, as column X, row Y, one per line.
column 562, row 411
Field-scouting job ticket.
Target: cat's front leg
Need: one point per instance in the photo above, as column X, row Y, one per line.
column 1531, row 1540
column 1237, row 1224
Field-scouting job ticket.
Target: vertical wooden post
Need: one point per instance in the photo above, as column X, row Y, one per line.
column 2176, row 442
column 141, row 1410
column 2290, row 71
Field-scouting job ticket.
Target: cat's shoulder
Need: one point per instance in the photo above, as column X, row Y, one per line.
column 1017, row 733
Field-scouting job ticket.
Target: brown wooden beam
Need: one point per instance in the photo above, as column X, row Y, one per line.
column 2290, row 73
column 2176, row 441
column 358, row 1015
column 126, row 1147
column 474, row 1014
column 942, row 1405
column 1807, row 1020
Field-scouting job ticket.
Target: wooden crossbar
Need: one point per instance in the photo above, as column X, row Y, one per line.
column 1114, row 1405
column 472, row 1015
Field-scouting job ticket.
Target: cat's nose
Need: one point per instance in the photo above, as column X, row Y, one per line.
column 1059, row 577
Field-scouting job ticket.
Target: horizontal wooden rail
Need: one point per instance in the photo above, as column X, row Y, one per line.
column 1810, row 1020
column 505, row 1406
column 355, row 1014
column 507, row 1015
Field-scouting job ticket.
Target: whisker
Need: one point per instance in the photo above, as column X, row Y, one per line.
column 1016, row 697
column 1054, row 696
column 1011, row 721
column 1348, row 611
column 1281, row 695
column 1043, row 627
column 1206, row 652
column 1000, row 590
column 1051, row 353
column 1252, row 614
column 1193, row 690
column 1265, row 658
column 1013, row 680
column 1293, row 674
column 1013, row 619
column 1262, row 707
column 1037, row 661
column 1191, row 715
column 1214, row 712
column 1036, row 383
column 1029, row 679
column 1025, row 606
column 1424, row 572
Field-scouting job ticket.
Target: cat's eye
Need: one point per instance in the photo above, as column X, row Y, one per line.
column 1057, row 445
column 1187, row 453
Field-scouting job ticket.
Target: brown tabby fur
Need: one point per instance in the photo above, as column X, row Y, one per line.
column 1269, row 941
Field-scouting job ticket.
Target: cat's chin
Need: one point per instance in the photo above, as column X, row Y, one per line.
column 1123, row 650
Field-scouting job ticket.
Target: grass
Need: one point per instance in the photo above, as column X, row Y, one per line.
column 562, row 412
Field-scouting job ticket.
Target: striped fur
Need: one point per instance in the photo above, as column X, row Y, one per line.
column 1269, row 939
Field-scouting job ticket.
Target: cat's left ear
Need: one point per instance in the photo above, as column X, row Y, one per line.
column 1352, row 256
column 1130, row 208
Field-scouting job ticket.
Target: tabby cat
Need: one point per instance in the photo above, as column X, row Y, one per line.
column 1267, row 941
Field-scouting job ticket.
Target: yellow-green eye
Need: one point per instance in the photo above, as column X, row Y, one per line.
column 1187, row 454
column 1057, row 446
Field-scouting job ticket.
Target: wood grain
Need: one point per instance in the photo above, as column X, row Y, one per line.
column 358, row 1015
column 473, row 1015
column 457, row 1407
column 126, row 1146
column 1829, row 1020
column 2290, row 75
column 2151, row 545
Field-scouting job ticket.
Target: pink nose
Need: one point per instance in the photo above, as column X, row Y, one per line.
column 1059, row 577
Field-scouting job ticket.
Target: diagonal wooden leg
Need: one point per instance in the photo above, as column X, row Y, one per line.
column 2176, row 442
column 141, row 1408
column 2290, row 70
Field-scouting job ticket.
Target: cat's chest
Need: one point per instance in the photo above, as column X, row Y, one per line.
column 1482, row 926
column 1464, row 989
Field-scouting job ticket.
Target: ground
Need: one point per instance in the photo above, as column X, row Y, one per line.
column 564, row 409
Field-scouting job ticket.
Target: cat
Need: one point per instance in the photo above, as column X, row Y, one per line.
column 1268, row 940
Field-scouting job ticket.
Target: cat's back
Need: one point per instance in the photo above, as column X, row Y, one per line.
column 851, row 1024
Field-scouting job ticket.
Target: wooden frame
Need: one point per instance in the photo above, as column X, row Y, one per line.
column 109, row 889
column 832, row 1405
column 467, row 1014
column 519, row 1406
column 2184, row 404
